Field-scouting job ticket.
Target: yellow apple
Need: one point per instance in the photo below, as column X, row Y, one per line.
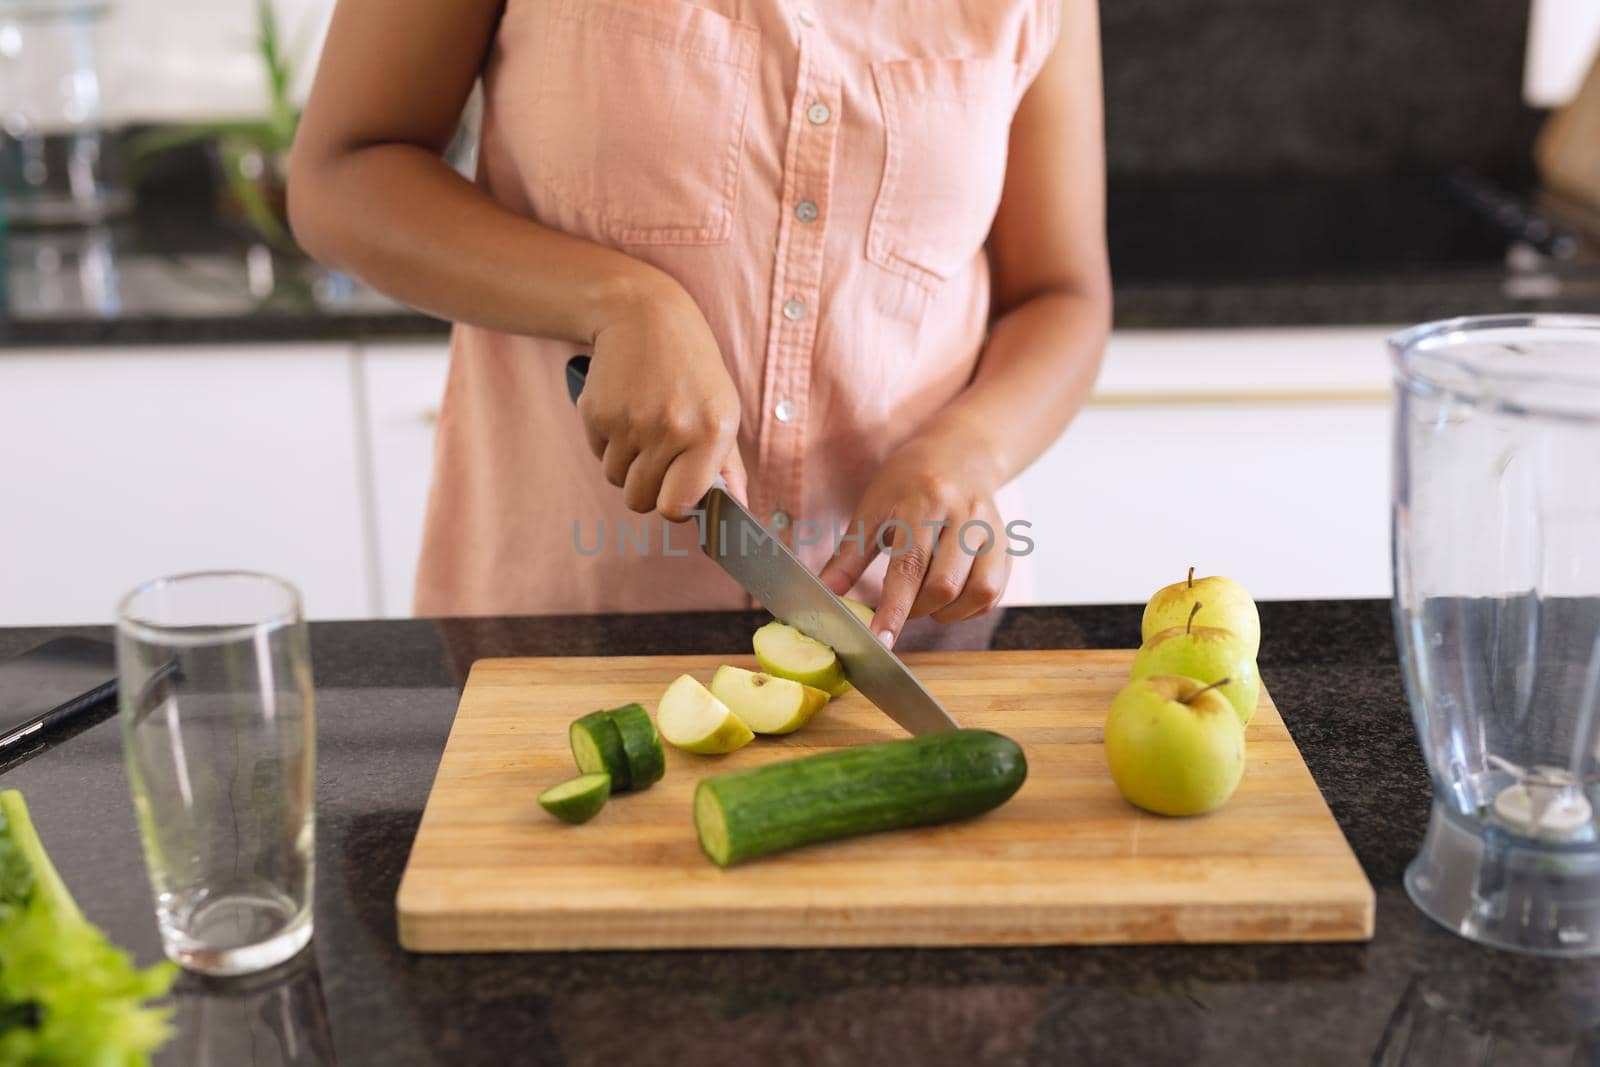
column 689, row 717
column 764, row 702
column 1174, row 746
column 1224, row 605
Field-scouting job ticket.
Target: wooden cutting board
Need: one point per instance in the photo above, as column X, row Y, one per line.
column 1065, row 861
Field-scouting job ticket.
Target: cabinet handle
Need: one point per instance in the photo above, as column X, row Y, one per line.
column 1242, row 398
column 429, row 417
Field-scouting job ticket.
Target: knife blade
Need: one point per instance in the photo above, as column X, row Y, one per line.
column 755, row 558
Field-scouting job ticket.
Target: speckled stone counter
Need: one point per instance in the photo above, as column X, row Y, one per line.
column 386, row 695
column 181, row 277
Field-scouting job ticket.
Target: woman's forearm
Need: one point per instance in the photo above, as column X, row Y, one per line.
column 1035, row 372
column 397, row 216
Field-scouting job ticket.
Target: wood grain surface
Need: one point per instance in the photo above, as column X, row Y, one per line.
column 1066, row 861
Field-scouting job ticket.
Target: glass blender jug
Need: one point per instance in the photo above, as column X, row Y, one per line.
column 54, row 167
column 1496, row 526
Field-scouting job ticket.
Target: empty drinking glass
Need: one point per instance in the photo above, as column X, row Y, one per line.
column 218, row 728
column 1497, row 614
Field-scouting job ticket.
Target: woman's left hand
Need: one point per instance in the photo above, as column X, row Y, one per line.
column 931, row 509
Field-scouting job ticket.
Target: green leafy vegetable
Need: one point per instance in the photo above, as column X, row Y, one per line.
column 67, row 995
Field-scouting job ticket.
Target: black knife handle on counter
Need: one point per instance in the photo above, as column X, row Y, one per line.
column 578, row 374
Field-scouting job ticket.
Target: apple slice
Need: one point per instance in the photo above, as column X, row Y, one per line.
column 764, row 702
column 786, row 652
column 689, row 717
column 863, row 611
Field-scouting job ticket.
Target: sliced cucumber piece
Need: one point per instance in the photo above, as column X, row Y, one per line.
column 577, row 799
column 597, row 746
column 641, row 745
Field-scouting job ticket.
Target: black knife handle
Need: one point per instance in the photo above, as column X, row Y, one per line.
column 577, row 374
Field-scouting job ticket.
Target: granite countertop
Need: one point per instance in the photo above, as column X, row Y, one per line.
column 1186, row 253
column 180, row 277
column 386, row 695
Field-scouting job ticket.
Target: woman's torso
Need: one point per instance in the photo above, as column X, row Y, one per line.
column 820, row 178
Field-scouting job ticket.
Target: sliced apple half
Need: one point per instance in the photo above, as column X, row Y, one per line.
column 689, row 717
column 863, row 611
column 764, row 702
column 786, row 652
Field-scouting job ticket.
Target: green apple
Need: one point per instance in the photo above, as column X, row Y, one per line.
column 1174, row 745
column 689, row 717
column 786, row 652
column 764, row 702
column 1206, row 654
column 1224, row 605
column 863, row 612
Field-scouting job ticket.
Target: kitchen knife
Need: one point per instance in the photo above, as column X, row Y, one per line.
column 768, row 571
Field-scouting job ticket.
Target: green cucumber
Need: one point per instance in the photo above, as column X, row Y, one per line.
column 577, row 799
column 641, row 745
column 930, row 779
column 597, row 746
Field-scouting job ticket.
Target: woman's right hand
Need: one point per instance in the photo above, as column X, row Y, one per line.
column 659, row 409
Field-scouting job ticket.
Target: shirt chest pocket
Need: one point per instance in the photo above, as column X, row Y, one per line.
column 947, row 124
column 640, row 117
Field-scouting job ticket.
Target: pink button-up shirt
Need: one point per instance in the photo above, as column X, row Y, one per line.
column 820, row 176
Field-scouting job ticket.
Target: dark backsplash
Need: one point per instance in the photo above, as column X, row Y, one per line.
column 1322, row 87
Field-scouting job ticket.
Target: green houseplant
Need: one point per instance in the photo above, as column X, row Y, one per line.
column 252, row 153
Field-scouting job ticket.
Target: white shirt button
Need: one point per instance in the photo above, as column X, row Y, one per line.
column 806, row 18
column 785, row 410
column 819, row 113
column 780, row 519
column 794, row 310
column 805, row 211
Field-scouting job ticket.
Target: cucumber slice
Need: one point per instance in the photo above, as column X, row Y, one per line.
column 641, row 745
column 597, row 746
column 577, row 799
column 931, row 779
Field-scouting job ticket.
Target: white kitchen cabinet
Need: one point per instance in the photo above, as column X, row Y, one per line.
column 404, row 386
column 119, row 465
column 1260, row 454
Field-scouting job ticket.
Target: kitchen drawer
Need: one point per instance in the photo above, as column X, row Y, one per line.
column 1260, row 454
column 121, row 465
column 404, row 385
